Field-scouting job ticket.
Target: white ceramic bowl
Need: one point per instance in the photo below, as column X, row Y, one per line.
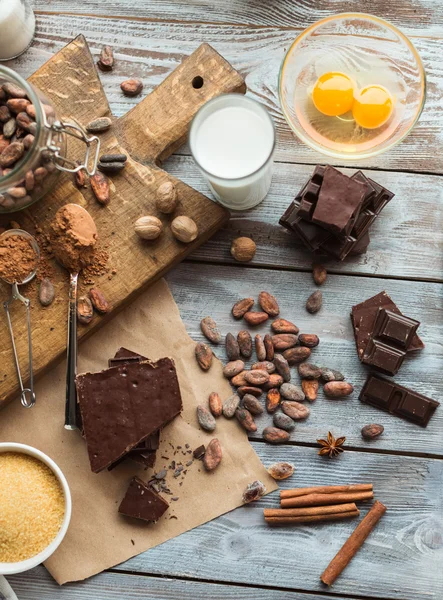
column 30, row 563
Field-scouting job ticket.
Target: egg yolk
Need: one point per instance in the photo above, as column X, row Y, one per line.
column 372, row 107
column 333, row 94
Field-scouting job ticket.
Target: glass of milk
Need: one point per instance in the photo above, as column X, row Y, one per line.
column 17, row 28
column 232, row 140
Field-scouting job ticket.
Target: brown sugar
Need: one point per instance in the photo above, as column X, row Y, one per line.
column 18, row 258
column 32, row 506
column 73, row 237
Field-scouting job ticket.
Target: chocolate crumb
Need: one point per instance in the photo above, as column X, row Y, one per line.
column 199, row 452
column 132, row 542
column 179, row 447
column 187, row 446
column 172, row 517
column 189, row 463
column 175, row 498
column 161, row 474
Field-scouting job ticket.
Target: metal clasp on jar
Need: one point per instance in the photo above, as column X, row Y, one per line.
column 77, row 131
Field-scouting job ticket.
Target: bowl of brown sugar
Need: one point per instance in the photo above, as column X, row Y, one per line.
column 35, row 507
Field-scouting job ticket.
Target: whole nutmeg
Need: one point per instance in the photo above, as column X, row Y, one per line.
column 184, row 229
column 243, row 249
column 148, row 228
column 166, row 197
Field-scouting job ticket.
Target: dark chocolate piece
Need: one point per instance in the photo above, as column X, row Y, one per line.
column 142, row 502
column 199, row 452
column 115, row 362
column 361, row 246
column 398, row 400
column 124, row 405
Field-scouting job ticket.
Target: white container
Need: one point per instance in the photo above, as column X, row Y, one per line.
column 30, row 563
column 17, row 28
column 232, row 140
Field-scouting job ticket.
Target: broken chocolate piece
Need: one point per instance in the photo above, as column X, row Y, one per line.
column 199, row 452
column 142, row 502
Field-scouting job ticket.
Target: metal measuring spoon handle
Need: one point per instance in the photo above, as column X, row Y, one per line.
column 71, row 421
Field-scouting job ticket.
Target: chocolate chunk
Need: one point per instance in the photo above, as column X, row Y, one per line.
column 142, row 502
column 199, row 452
column 123, row 405
column 398, row 400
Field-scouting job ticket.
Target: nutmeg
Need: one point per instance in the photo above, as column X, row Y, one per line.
column 184, row 229
column 243, row 249
column 148, row 228
column 166, row 197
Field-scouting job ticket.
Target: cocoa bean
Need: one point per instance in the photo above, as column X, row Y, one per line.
column 9, row 128
column 292, row 392
column 338, row 389
column 314, row 302
column 256, row 377
column 294, row 356
column 275, row 381
column 309, row 371
column 18, row 105
column 310, row 389
column 245, row 419
column 281, row 470
column 215, row 404
column 295, row 410
column 80, row 177
column 111, row 167
column 319, row 273
column 241, row 307
column 284, row 326
column 249, row 389
column 254, row 491
column 85, row 312
column 269, row 347
column 370, row 432
column 4, row 143
column 232, row 347
column 264, row 365
column 5, row 114
column 282, row 366
column 46, row 292
column 233, row 368
column 106, row 59
column 310, row 340
column 331, row 375
column 131, row 87
column 29, row 180
column 30, row 109
column 111, row 158
column 282, row 421
column 255, row 318
column 230, row 406
column 203, row 354
column 99, row 125
column 273, row 398
column 273, row 435
column 283, row 341
column 17, row 192
column 239, row 380
column 245, row 343
column 205, row 418
column 40, row 173
column 260, row 349
column 100, row 187
column 210, row 330
column 268, row 303
column 13, row 91
column 251, row 403
column 25, row 122
column 213, row 455
column 28, row 140
column 99, row 301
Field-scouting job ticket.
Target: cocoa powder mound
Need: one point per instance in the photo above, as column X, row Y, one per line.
column 73, row 237
column 18, row 258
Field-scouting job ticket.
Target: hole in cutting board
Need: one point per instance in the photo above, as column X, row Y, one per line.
column 197, row 82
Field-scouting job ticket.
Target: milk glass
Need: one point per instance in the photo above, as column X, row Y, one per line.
column 17, row 28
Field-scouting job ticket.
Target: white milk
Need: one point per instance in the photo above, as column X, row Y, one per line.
column 17, row 26
column 232, row 140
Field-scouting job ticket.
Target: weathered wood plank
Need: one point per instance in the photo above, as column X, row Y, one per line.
column 204, row 289
column 152, row 49
column 401, row 558
column 406, row 241
column 115, row 586
column 414, row 16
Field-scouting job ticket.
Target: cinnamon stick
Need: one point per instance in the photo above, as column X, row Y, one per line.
column 311, row 518
column 353, row 543
column 313, row 510
column 326, row 489
column 324, row 499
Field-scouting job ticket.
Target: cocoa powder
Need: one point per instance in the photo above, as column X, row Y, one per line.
column 18, row 258
column 73, row 237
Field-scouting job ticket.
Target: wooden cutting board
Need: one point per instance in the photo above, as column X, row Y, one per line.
column 149, row 133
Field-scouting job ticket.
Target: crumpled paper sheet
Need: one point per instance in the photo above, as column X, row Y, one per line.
column 98, row 537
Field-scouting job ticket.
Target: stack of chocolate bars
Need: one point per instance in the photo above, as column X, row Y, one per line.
column 332, row 213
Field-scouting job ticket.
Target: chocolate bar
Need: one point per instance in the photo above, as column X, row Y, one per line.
column 142, row 502
column 398, row 400
column 391, row 336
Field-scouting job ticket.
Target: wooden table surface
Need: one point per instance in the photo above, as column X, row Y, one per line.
column 237, row 556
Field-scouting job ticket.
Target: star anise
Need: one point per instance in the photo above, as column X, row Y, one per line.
column 332, row 446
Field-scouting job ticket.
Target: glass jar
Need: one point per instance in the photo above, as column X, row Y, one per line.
column 33, row 144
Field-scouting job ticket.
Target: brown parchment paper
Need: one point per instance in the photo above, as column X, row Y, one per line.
column 98, row 537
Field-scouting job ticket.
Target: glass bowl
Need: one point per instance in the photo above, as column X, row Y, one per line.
column 370, row 51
